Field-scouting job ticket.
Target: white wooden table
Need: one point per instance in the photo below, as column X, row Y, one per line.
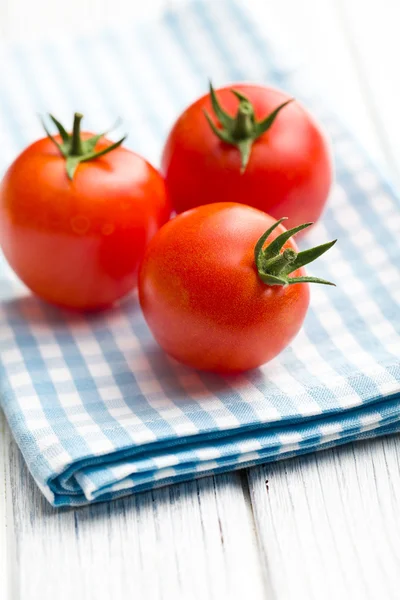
column 327, row 526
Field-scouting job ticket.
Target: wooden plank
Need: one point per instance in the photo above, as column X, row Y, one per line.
column 190, row 541
column 329, row 523
column 4, row 531
column 195, row 540
column 328, row 526
column 9, row 540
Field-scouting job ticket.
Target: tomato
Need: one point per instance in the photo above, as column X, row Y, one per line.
column 272, row 155
column 215, row 296
column 74, row 227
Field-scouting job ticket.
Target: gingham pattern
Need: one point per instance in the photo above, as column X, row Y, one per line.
column 96, row 408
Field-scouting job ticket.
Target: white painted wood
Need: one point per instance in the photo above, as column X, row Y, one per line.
column 329, row 524
column 193, row 541
column 3, row 513
column 8, row 536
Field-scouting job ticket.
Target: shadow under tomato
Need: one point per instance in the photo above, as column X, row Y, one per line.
column 181, row 382
column 28, row 315
column 30, row 309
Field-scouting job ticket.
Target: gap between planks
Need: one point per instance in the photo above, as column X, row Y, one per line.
column 329, row 527
column 191, row 541
column 309, row 525
column 8, row 563
column 3, row 513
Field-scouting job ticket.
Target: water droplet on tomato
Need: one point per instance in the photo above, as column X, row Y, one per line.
column 108, row 229
column 80, row 224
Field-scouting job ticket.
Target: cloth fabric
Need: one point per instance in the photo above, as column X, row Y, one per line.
column 97, row 409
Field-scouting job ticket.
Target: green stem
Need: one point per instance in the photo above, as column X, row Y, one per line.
column 243, row 129
column 274, row 266
column 76, row 150
column 76, row 142
column 278, row 264
column 244, row 123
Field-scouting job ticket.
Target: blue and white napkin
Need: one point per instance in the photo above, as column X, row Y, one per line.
column 97, row 409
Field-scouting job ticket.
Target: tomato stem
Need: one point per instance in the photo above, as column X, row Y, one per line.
column 244, row 124
column 274, row 266
column 243, row 130
column 75, row 149
column 278, row 263
column 76, row 142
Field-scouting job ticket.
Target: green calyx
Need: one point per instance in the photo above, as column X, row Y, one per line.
column 274, row 266
column 240, row 131
column 73, row 148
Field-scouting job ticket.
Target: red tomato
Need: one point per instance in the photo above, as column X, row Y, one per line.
column 286, row 170
column 207, row 301
column 78, row 241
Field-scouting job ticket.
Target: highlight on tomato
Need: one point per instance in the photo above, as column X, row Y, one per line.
column 250, row 144
column 76, row 214
column 223, row 287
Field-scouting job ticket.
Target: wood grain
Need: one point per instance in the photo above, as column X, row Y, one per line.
column 328, row 527
column 190, row 541
column 4, row 580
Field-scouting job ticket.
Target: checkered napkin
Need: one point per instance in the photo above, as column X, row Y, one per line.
column 96, row 407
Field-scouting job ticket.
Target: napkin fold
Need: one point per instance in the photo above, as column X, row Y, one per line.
column 97, row 409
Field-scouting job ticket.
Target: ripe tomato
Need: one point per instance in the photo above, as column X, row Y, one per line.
column 272, row 155
column 74, row 222
column 215, row 297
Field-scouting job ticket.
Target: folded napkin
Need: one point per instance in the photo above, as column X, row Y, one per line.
column 97, row 409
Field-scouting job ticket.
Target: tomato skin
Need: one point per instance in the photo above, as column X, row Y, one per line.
column 290, row 168
column 79, row 243
column 203, row 299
